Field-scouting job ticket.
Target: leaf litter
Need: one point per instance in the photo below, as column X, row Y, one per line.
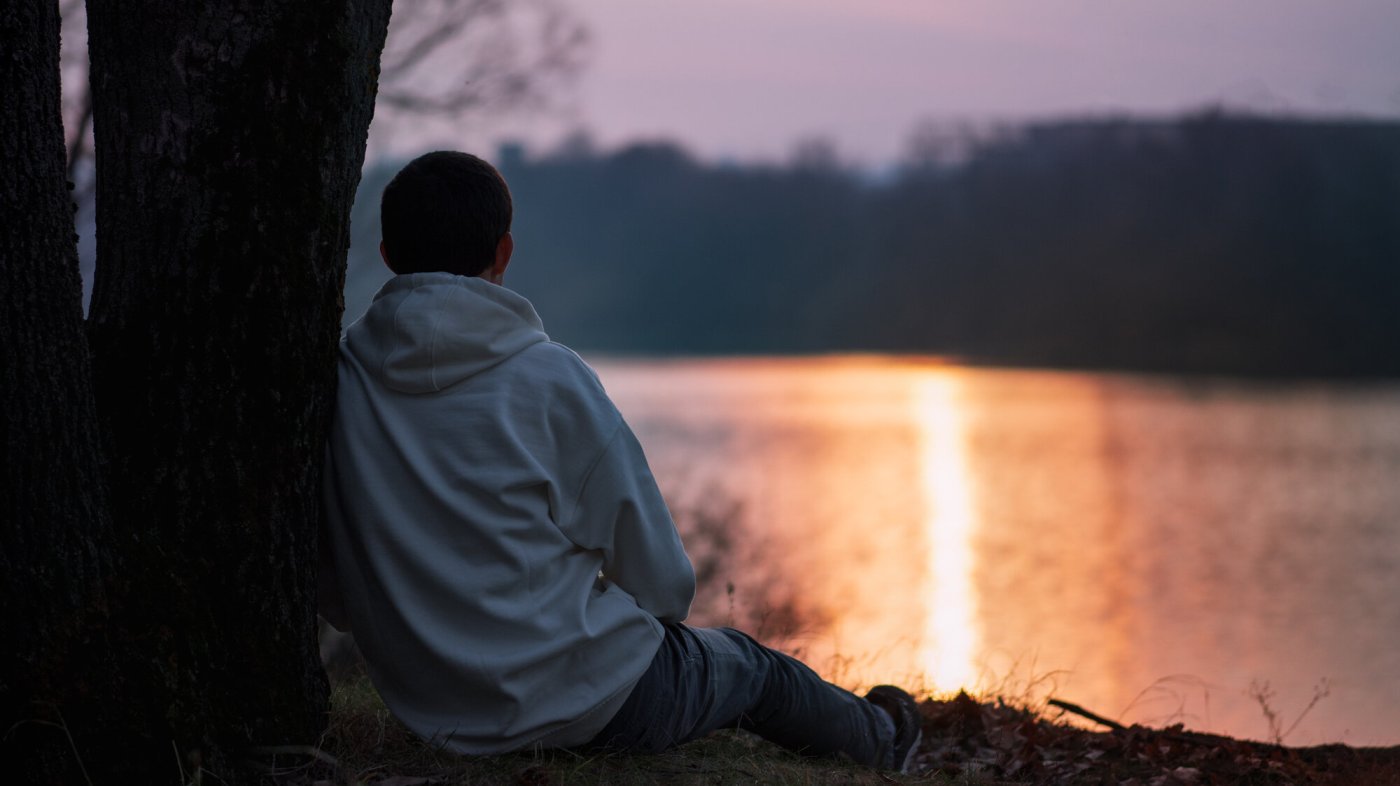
column 997, row 742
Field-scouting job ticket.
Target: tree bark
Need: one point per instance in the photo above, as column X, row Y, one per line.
column 52, row 512
column 229, row 141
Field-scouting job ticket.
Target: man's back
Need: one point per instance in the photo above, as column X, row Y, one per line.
column 478, row 481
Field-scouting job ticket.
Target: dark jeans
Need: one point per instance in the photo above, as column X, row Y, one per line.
column 703, row 679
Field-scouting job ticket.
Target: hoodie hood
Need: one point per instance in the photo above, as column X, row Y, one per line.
column 426, row 331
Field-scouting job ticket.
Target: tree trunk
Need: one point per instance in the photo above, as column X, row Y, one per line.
column 52, row 513
column 229, row 143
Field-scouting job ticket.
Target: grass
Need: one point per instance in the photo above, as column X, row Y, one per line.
column 967, row 741
column 367, row 745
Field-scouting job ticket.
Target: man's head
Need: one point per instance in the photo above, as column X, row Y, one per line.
column 449, row 212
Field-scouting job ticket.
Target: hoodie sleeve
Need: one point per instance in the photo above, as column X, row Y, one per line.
column 621, row 513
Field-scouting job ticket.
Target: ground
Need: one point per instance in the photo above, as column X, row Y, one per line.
column 987, row 742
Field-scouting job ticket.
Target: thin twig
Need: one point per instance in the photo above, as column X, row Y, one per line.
column 179, row 762
column 1083, row 713
column 61, row 727
column 1320, row 691
column 312, row 751
column 295, row 750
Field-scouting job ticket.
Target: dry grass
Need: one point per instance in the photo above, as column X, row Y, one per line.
column 966, row 741
column 370, row 747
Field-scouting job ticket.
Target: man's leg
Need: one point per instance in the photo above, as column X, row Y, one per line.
column 704, row 679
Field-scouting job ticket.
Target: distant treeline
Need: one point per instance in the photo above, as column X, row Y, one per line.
column 1212, row 243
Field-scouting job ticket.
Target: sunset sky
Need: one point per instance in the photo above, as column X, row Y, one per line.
column 746, row 79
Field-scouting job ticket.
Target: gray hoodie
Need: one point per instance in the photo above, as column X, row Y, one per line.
column 494, row 537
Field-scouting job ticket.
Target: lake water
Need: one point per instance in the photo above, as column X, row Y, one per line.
column 1154, row 549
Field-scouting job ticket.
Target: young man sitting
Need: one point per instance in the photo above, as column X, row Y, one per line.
column 496, row 541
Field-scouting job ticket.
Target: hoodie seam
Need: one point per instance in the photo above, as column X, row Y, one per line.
column 384, row 361
column 577, row 496
column 432, row 351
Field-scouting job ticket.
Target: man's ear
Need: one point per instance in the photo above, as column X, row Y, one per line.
column 384, row 256
column 504, row 248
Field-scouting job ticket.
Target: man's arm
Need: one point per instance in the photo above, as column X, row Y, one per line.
column 621, row 513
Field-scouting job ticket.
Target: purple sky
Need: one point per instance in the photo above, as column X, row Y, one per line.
column 747, row 79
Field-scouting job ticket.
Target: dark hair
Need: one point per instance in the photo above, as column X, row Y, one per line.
column 445, row 211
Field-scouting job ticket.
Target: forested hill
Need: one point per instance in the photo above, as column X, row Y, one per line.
column 1211, row 243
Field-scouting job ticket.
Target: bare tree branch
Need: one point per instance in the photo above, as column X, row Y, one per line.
column 452, row 56
column 443, row 57
column 441, row 27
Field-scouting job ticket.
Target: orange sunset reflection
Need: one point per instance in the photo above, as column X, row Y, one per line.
column 950, row 631
column 1137, row 546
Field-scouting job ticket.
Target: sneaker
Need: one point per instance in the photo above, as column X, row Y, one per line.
column 908, row 730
